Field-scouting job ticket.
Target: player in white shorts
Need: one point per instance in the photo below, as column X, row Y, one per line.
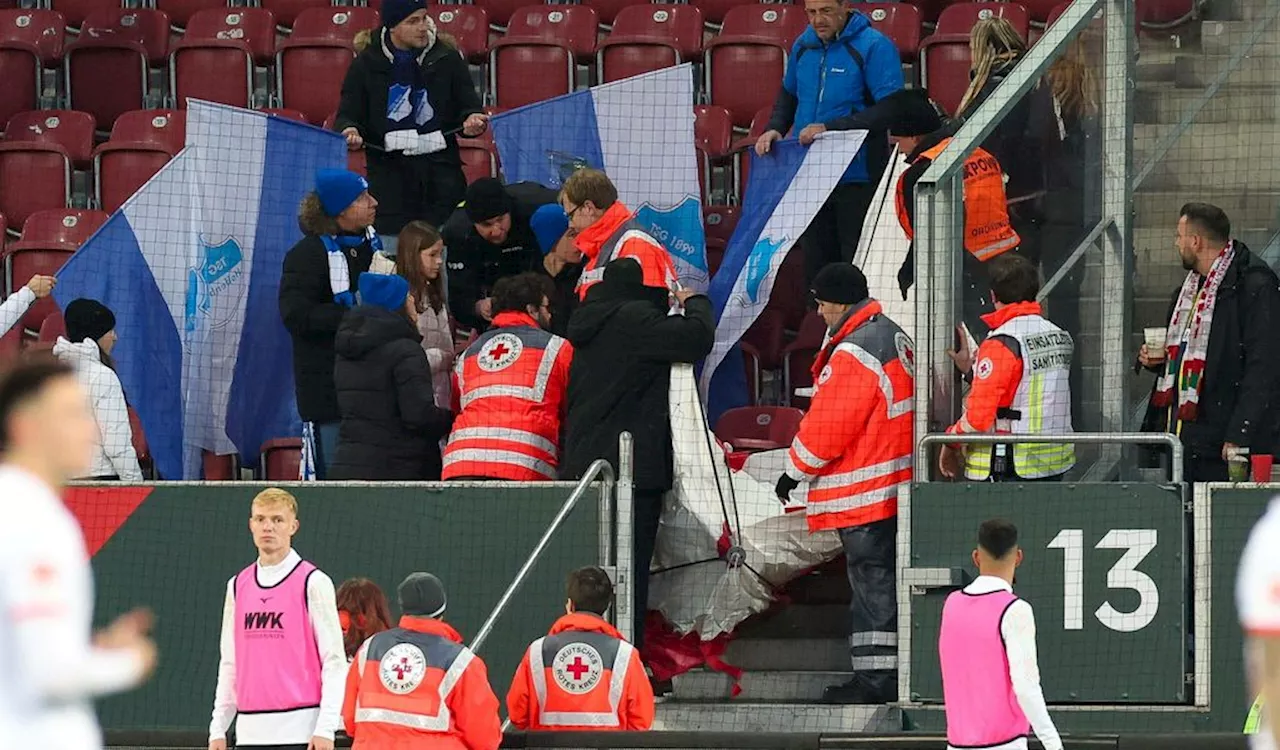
column 51, row 663
column 1258, row 602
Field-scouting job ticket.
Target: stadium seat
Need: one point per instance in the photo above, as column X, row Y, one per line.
column 759, row 428
column 51, row 328
column 285, row 112
column 121, row 167
column 469, row 27
column 253, row 26
column 144, row 25
column 959, row 18
column 355, row 159
column 712, row 133
column 74, row 12
column 607, row 10
column 217, row 55
column 766, row 337
column 499, row 12
column 479, row 158
column 140, row 446
column 286, row 12
column 163, row 127
column 311, row 63
column 30, row 42
column 944, row 55
column 931, row 9
column 1164, row 14
column 649, row 37
column 33, row 176
column 1039, row 10
column 900, row 22
column 743, row 149
column 719, row 222
column 11, row 344
column 790, row 290
column 572, row 26
column 744, row 65
column 797, row 359
column 22, row 260
column 714, row 11
column 219, row 468
column 105, row 77
column 181, row 11
column 333, row 24
column 67, row 128
column 281, row 459
column 62, row 226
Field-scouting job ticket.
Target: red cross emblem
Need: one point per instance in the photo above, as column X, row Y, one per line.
column 577, row 668
column 401, row 668
column 498, row 352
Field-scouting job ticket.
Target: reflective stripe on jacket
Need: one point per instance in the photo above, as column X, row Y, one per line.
column 854, row 444
column 417, row 686
column 617, row 235
column 510, row 391
column 581, row 676
column 987, row 231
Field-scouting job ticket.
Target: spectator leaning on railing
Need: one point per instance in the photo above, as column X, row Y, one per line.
column 1219, row 368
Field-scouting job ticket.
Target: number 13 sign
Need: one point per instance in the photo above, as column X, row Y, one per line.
column 1124, row 575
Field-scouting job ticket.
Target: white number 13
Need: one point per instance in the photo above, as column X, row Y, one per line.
column 1137, row 544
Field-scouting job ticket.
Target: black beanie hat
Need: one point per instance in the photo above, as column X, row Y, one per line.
column 421, row 595
column 87, row 319
column 487, row 198
column 913, row 114
column 624, row 273
column 840, row 284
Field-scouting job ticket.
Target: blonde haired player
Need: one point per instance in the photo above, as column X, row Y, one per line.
column 1258, row 602
column 283, row 668
column 51, row 664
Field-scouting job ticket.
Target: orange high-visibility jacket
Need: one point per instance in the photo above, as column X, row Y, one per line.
column 987, row 231
column 617, row 235
column 581, row 676
column 854, row 444
column 509, row 391
column 416, row 687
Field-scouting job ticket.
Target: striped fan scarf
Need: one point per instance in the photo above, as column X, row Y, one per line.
column 1198, row 309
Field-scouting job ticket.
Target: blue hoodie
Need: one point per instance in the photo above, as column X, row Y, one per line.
column 828, row 82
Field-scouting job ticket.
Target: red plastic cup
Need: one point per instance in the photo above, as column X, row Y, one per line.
column 1261, row 465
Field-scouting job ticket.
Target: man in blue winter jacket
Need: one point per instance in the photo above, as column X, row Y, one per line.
column 839, row 71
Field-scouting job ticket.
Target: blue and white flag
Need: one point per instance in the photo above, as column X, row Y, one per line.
column 190, row 265
column 784, row 192
column 640, row 132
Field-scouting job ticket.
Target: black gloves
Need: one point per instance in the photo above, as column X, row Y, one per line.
column 784, row 487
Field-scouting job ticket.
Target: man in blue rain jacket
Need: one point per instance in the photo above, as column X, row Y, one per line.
column 839, row 70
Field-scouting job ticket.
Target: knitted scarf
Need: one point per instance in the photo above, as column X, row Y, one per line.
column 1194, row 308
column 337, row 247
column 408, row 104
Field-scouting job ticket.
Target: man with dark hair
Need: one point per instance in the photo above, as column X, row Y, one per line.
column 1219, row 365
column 987, row 648
column 853, row 450
column 488, row 238
column 1021, row 385
column 569, row 679
column 54, row 667
column 509, row 390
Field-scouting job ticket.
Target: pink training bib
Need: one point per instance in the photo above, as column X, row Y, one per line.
column 277, row 660
column 981, row 708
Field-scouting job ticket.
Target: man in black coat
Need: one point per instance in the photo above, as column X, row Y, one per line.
column 624, row 345
column 337, row 221
column 406, row 95
column 488, row 238
column 1234, row 403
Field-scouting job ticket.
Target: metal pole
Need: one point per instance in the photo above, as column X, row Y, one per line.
column 938, row 249
column 624, row 546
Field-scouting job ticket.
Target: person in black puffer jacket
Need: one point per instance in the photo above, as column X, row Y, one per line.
column 406, row 95
column 391, row 426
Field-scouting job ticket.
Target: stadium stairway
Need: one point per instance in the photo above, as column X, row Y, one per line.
column 789, row 654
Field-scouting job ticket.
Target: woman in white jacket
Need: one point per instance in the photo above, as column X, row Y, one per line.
column 420, row 260
column 87, row 347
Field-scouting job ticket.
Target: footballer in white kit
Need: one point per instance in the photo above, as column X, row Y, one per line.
column 52, row 665
column 1258, row 602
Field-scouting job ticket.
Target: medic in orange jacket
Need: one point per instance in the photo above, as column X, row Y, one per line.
column 616, row 235
column 996, row 374
column 581, row 676
column 416, row 687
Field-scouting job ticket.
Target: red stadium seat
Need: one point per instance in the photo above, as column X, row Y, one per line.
column 607, row 10
column 253, row 26
column 959, row 18
column 479, row 158
column 181, row 11
column 499, row 12
column 745, row 147
column 51, row 328
column 712, row 133
column 333, row 24
column 62, row 226
column 312, row 62
column 146, row 26
column 714, row 11
column 1164, row 14
column 790, row 291
column 719, row 222
column 572, row 26
column 11, row 344
column 1040, row 10
column 217, row 55
column 162, row 127
column 649, row 37
column 106, row 78
column 33, row 176
column 759, row 428
column 469, row 27
column 281, row 459
column 121, row 167
column 76, row 11
column 744, row 65
column 26, row 259
column 284, row 112
column 931, row 9
column 30, row 41
column 798, row 356
column 900, row 22
column 286, row 12
column 67, row 128
column 220, row 468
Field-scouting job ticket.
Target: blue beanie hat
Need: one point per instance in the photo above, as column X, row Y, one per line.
column 395, row 11
column 549, row 223
column 385, row 290
column 338, row 188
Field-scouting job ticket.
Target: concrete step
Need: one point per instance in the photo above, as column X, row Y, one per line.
column 1198, row 71
column 1228, row 37
column 1160, row 271
column 1235, row 10
column 770, row 687
column 1159, row 208
column 1166, row 105
column 1212, row 172
column 765, row 654
column 799, row 621
column 741, row 716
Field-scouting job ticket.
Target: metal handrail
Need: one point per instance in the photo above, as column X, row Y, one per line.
column 598, row 468
column 1083, row 438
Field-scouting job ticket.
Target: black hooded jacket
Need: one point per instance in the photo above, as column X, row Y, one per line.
column 624, row 344
column 391, row 426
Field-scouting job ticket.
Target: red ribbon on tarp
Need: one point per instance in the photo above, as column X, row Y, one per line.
column 667, row 653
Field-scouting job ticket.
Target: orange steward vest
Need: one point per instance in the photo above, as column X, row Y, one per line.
column 617, row 235
column 510, row 385
column 854, row 446
column 987, row 231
